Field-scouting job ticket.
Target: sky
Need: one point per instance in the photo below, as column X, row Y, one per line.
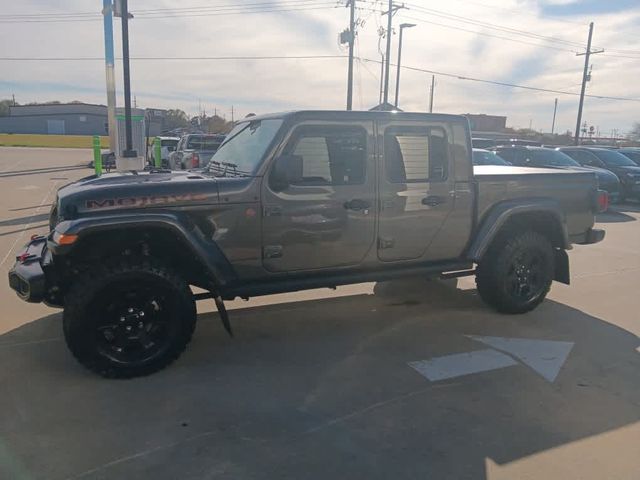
column 526, row 42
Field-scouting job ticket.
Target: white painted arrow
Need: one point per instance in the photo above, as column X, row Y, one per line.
column 546, row 357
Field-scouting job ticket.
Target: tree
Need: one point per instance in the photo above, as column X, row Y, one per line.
column 635, row 131
column 5, row 107
column 217, row 124
column 175, row 119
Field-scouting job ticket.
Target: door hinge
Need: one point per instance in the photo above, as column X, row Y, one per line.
column 386, row 243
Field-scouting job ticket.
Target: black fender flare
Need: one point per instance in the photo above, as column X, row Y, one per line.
column 502, row 212
column 206, row 251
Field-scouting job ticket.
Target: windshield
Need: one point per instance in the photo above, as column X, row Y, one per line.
column 553, row 158
column 635, row 156
column 245, row 146
column 614, row 159
column 486, row 157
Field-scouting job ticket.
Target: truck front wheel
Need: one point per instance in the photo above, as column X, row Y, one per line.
column 515, row 274
column 128, row 319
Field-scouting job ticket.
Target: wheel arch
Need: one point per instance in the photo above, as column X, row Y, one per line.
column 541, row 215
column 171, row 236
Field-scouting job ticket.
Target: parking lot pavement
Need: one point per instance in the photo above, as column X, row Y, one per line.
column 369, row 381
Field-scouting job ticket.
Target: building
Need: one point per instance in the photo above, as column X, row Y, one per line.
column 70, row 119
column 56, row 119
column 486, row 123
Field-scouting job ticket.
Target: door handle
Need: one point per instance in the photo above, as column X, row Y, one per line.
column 357, row 204
column 433, row 201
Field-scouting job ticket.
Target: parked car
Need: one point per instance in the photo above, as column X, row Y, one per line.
column 310, row 199
column 167, row 145
column 483, row 142
column 194, row 151
column 519, row 142
column 625, row 168
column 549, row 158
column 487, row 157
column 631, row 152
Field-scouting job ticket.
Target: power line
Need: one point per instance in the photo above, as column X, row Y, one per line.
column 314, row 6
column 485, row 34
column 504, row 84
column 232, row 6
column 249, row 57
column 315, row 57
column 493, row 26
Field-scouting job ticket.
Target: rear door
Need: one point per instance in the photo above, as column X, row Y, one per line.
column 326, row 218
column 416, row 188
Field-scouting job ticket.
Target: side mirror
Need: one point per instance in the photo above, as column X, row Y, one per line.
column 287, row 169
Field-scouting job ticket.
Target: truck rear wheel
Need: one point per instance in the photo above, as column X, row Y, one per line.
column 515, row 274
column 128, row 319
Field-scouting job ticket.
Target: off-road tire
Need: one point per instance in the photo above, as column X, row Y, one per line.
column 496, row 269
column 81, row 318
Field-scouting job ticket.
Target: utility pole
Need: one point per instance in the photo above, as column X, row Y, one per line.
column 402, row 27
column 381, row 79
column 392, row 9
column 553, row 122
column 13, row 99
column 585, row 76
column 128, row 152
column 109, row 64
column 433, row 86
column 351, row 39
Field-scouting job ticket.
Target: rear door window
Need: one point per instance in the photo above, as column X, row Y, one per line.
column 415, row 154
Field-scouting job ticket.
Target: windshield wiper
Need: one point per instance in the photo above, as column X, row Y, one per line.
column 226, row 169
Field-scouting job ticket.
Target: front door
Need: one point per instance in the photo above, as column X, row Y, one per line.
column 416, row 188
column 326, row 216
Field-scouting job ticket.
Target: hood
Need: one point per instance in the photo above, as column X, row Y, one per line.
column 118, row 191
column 626, row 169
column 604, row 176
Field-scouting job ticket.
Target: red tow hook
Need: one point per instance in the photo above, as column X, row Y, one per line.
column 23, row 257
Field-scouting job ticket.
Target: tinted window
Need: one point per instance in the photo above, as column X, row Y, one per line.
column 635, row 156
column 485, row 157
column 330, row 155
column 582, row 157
column 194, row 142
column 614, row 159
column 415, row 154
column 552, row 158
column 211, row 143
column 508, row 154
column 168, row 143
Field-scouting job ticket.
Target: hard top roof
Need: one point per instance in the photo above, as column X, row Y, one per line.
column 358, row 115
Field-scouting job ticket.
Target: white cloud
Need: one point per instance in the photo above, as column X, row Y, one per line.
column 266, row 85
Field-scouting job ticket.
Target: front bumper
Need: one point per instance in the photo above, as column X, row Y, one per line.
column 27, row 277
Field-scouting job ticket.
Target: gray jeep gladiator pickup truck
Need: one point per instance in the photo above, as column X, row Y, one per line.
column 296, row 201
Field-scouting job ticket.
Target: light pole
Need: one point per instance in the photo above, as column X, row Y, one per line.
column 128, row 152
column 402, row 27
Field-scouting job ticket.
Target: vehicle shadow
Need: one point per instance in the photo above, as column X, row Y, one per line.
column 627, row 207
column 612, row 216
column 25, row 220
column 41, row 171
column 317, row 389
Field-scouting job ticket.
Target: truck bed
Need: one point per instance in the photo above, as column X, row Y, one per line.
column 573, row 190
